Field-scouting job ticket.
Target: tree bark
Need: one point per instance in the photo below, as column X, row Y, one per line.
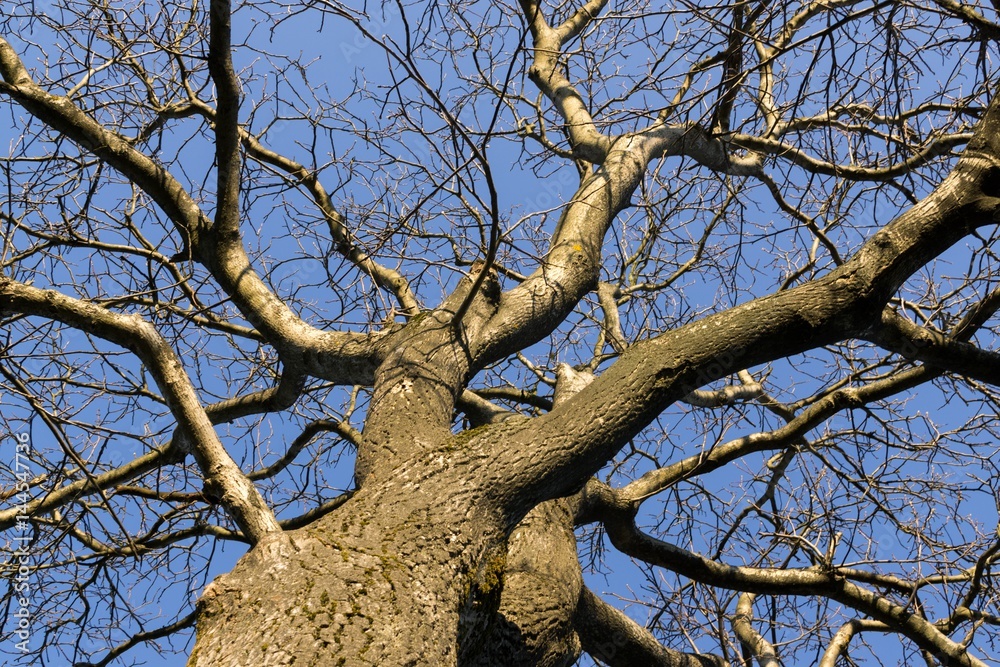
column 408, row 575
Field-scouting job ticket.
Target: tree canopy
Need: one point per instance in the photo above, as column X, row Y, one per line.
column 474, row 324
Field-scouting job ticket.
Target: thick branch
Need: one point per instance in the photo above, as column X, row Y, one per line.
column 542, row 580
column 747, row 390
column 607, row 295
column 422, row 377
column 548, row 73
column 759, row 647
column 656, row 480
column 811, row 582
column 223, row 477
column 339, row 357
column 579, row 21
column 275, row 399
column 614, row 638
column 899, row 335
column 838, row 645
column 967, row 13
column 585, row 432
column 571, row 268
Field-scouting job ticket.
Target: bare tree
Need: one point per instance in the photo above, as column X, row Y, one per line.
column 438, row 307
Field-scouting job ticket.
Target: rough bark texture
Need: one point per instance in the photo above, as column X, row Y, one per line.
column 322, row 596
column 541, row 586
column 542, row 580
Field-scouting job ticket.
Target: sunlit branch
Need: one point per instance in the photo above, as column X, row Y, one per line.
column 761, row 649
column 866, row 117
column 810, row 582
column 848, row 397
column 343, row 357
column 515, row 395
column 968, row 13
column 838, row 645
column 480, row 411
column 748, row 389
column 607, row 295
column 275, row 399
column 934, row 148
column 222, row 475
column 547, row 72
column 898, row 334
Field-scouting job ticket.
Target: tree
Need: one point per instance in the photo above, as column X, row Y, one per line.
column 435, row 307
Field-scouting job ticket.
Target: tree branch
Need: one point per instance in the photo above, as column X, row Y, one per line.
column 385, row 277
column 227, row 120
column 759, row 648
column 653, row 374
column 810, row 581
column 144, row 636
column 899, row 335
column 936, row 147
column 336, row 356
column 269, row 400
column 838, row 645
column 547, row 73
column 223, row 477
column 748, row 389
column 613, row 638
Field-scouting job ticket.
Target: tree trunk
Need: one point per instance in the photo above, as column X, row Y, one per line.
column 408, row 575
